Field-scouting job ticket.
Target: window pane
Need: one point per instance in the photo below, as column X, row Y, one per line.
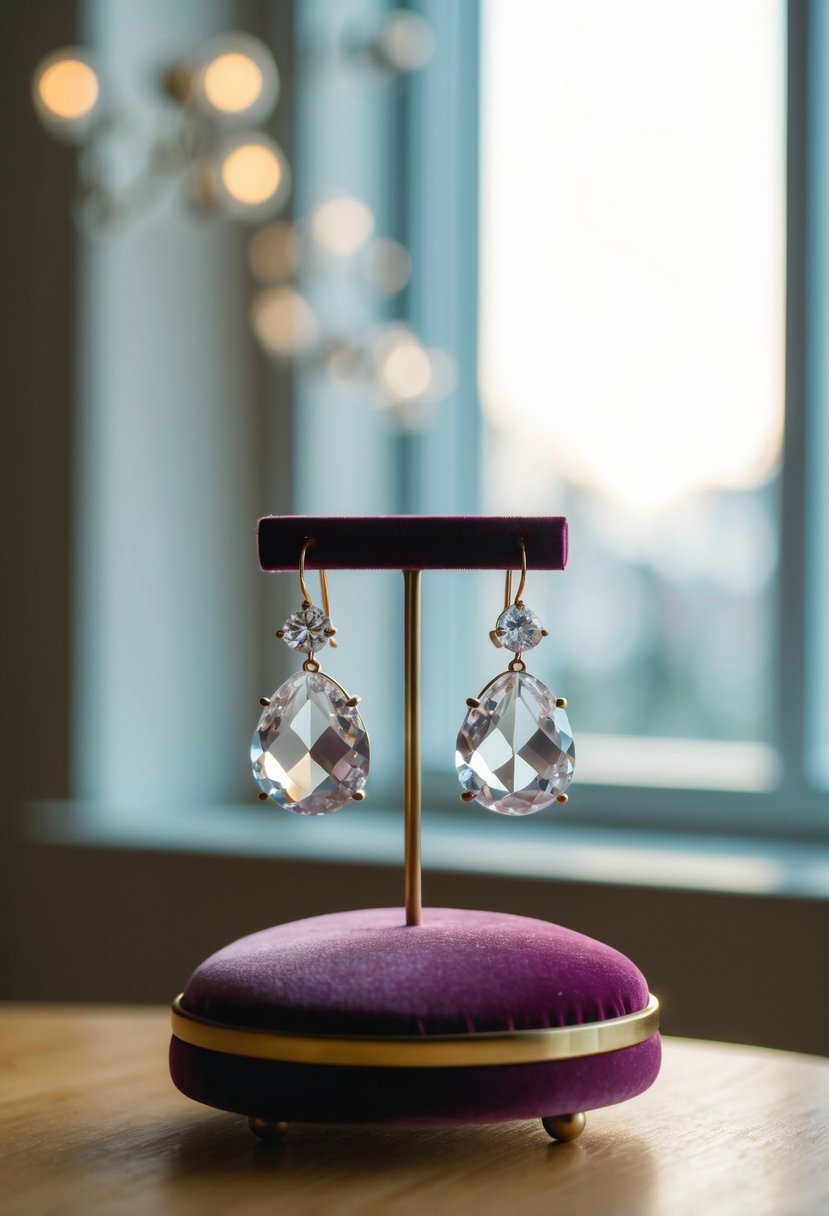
column 632, row 330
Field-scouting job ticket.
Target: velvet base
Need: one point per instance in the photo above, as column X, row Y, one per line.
column 311, row 1093
column 458, row 973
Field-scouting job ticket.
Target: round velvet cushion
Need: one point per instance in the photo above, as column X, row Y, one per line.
column 367, row 973
column 459, row 972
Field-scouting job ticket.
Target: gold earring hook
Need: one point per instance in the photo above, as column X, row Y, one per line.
column 306, row 595
column 523, row 582
column 496, row 634
column 326, row 604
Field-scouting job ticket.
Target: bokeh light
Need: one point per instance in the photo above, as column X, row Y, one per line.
column 66, row 92
column 273, row 252
column 252, row 178
column 406, row 42
column 345, row 364
column 232, row 83
column 403, row 367
column 238, row 78
column 284, row 322
column 386, row 265
column 341, row 225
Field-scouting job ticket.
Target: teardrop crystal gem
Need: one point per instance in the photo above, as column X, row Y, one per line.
column 310, row 751
column 515, row 750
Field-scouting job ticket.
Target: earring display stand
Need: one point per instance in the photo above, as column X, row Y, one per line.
column 474, row 1016
column 412, row 544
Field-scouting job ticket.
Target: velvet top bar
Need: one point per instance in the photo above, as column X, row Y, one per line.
column 413, row 542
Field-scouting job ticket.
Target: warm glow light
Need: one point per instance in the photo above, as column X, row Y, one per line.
column 68, row 89
column 386, row 265
column 342, row 225
column 405, row 371
column 284, row 322
column 273, row 252
column 238, row 77
column 232, row 82
column 345, row 364
column 251, row 173
column 406, row 41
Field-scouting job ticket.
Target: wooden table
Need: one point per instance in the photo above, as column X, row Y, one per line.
column 90, row 1124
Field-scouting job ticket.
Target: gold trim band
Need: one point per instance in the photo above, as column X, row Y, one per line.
column 421, row 1051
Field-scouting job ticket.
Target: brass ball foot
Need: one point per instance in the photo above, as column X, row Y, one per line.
column 268, row 1130
column 565, row 1127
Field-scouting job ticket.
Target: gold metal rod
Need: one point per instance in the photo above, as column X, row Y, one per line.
column 411, row 767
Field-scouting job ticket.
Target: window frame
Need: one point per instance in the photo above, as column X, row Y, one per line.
column 796, row 806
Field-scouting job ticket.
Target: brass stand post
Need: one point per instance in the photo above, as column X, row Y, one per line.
column 411, row 786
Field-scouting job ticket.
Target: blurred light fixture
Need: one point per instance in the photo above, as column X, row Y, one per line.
column 273, row 252
column 284, row 321
column 386, row 265
column 394, row 44
column 341, row 225
column 404, row 42
column 66, row 92
column 251, row 175
column 404, row 370
column 405, row 378
column 225, row 163
column 345, row 365
column 232, row 81
column 237, row 78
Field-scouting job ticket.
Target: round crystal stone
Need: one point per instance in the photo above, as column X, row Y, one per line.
column 310, row 751
column 515, row 750
column 518, row 628
column 307, row 629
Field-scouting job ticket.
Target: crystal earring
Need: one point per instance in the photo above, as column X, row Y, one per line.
column 310, row 750
column 515, row 752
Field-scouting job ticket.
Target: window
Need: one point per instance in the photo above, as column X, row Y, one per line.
column 632, row 366
column 614, row 179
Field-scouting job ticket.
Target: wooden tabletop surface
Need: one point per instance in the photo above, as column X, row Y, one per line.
column 90, row 1124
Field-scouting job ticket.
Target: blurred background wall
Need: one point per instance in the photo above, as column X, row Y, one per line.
column 512, row 275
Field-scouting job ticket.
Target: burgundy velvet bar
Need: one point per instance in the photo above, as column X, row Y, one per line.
column 413, row 542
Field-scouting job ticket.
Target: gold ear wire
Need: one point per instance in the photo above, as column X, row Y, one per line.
column 326, row 603
column 306, row 595
column 494, row 634
column 522, row 584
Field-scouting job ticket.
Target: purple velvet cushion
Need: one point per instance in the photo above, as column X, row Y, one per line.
column 459, row 972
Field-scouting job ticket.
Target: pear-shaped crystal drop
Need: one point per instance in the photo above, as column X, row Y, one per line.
column 310, row 751
column 515, row 750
